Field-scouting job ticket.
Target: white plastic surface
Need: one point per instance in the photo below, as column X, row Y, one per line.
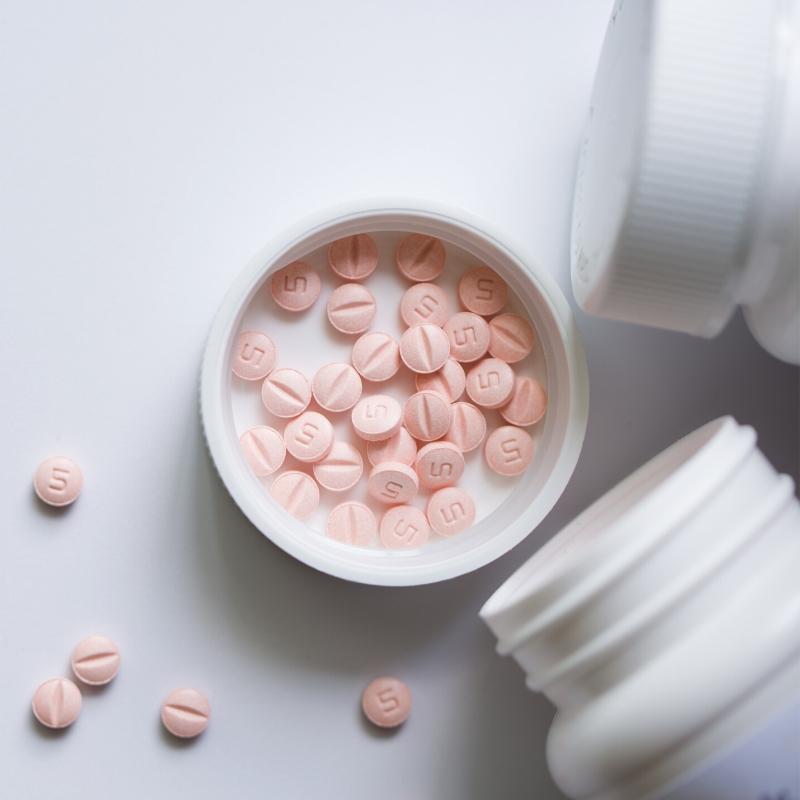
column 689, row 180
column 664, row 621
column 508, row 509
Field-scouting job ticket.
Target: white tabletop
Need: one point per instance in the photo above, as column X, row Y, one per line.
column 147, row 150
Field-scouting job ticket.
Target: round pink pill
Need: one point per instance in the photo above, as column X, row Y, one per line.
column 483, row 291
column 351, row 308
column 386, row 702
column 341, row 469
column 439, row 464
column 467, row 427
column 450, row 511
column 57, row 703
column 392, row 483
column 253, row 356
column 296, row 492
column 490, row 383
column 185, row 713
column 263, row 449
column 95, row 660
column 376, row 356
column 352, row 523
column 427, row 415
column 401, row 447
column 296, row 287
column 376, row 417
column 425, row 302
column 469, row 336
column 509, row 450
column 286, row 393
column 336, row 387
column 424, row 348
column 353, row 258
column 420, row 257
column 527, row 404
column 449, row 381
column 511, row 337
column 58, row 481
column 309, row 437
column 404, row 527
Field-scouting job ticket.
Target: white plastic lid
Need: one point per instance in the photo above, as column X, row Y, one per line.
column 507, row 511
column 681, row 170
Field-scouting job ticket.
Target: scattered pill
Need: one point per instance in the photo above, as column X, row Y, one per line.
column 341, row 469
column 263, row 449
column 509, row 450
column 404, row 527
column 352, row 523
column 309, row 437
column 185, row 713
column 253, row 356
column 490, row 383
column 336, row 387
column 296, row 287
column 297, row 492
column 469, row 336
column 511, row 337
column 425, row 302
column 353, row 258
column 376, row 356
column 351, row 308
column 58, row 481
column 392, row 482
column 286, row 393
column 449, row 381
column 57, row 703
column 439, row 464
column 467, row 427
column 401, row 447
column 483, row 291
column 527, row 404
column 95, row 660
column 386, row 702
column 420, row 258
column 424, row 348
column 427, row 415
column 450, row 511
column 376, row 417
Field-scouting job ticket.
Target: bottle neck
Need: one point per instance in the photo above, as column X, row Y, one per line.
column 666, row 606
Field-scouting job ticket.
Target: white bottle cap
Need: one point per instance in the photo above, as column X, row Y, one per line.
column 682, row 173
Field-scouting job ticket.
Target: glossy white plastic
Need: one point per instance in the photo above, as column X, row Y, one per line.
column 664, row 621
column 687, row 202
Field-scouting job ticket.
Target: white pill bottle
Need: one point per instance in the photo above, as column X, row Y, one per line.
column 664, row 625
column 687, row 200
column 664, row 622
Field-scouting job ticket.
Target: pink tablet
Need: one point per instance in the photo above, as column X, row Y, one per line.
column 425, row 302
column 295, row 287
column 353, row 258
column 376, row 356
column 376, row 417
column 509, row 450
column 253, row 356
column 420, row 257
column 424, row 348
column 483, row 291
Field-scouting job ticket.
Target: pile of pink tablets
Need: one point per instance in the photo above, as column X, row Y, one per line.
column 416, row 445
